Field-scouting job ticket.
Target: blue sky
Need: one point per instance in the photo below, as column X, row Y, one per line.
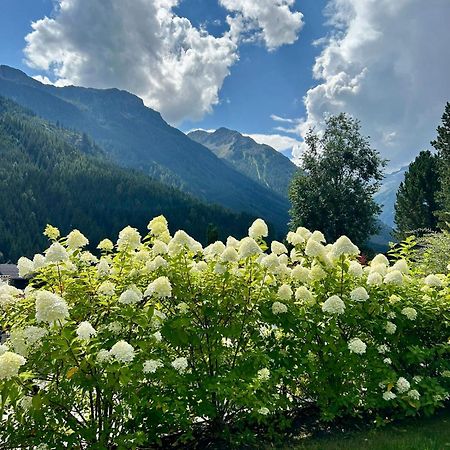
column 383, row 62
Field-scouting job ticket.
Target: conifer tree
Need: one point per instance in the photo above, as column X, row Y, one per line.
column 416, row 205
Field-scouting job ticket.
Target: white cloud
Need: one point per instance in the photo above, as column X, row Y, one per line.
column 277, row 141
column 386, row 65
column 142, row 46
column 272, row 21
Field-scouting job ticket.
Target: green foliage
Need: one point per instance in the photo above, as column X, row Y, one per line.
column 50, row 174
column 180, row 338
column 334, row 190
column 442, row 145
column 416, row 206
column 432, row 255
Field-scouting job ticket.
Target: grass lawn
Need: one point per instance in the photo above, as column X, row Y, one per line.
column 411, row 434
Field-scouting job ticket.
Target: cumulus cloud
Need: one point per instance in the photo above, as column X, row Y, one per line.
column 283, row 144
column 384, row 63
column 142, row 46
column 272, row 21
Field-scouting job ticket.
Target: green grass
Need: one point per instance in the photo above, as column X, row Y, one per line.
column 413, row 434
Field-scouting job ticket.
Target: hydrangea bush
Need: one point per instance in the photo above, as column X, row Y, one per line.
column 157, row 336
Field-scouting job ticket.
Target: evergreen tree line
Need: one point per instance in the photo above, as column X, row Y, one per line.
column 423, row 198
column 52, row 175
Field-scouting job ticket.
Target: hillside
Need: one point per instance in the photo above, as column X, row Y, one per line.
column 260, row 162
column 136, row 136
column 52, row 175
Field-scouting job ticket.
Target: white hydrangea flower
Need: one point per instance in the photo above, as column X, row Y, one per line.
column 180, row 364
column 294, row 238
column 317, row 273
column 374, row 279
column 379, row 268
column 263, row 411
column 387, row 361
column 152, row 365
column 258, row 229
column 410, row 313
column 105, row 245
column 414, row 394
column 314, row 248
column 359, row 294
column 271, row 262
column 159, row 247
column 248, row 247
column 76, row 239
column 8, row 294
column 56, row 253
column 25, row 266
column 278, row 248
column 433, row 280
column 402, row 385
column 380, row 259
column 51, row 232
column 103, row 268
column 390, row 327
column 160, row 288
column 103, row 356
column 130, row 296
column 182, row 241
column 402, row 266
column 344, row 246
column 230, row 254
column 129, row 238
column 355, row 269
column 88, row 258
column 301, row 274
column 157, row 336
column 302, row 293
column 417, row 379
column 333, row 305
column 388, row 395
column 39, row 261
column 394, row 277
column 318, row 236
column 232, row 242
column 107, row 288
column 383, row 348
column 279, row 308
column 264, row 374
column 183, row 307
column 114, row 327
column 158, row 225
column 303, row 232
column 357, row 346
column 3, row 349
column 285, row 292
column 10, row 364
column 122, row 352
column 50, row 307
column 156, row 264
column 85, row 331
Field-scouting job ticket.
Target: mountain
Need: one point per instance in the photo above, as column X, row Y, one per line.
column 260, row 162
column 52, row 175
column 137, row 137
column 387, row 195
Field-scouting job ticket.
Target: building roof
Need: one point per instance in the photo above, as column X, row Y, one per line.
column 9, row 270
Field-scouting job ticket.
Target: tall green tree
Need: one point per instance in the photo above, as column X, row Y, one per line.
column 442, row 145
column 416, row 205
column 333, row 190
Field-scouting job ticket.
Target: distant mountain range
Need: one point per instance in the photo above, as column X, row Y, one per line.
column 135, row 136
column 260, row 162
column 52, row 175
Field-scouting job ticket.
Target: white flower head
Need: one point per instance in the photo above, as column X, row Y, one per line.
column 314, row 248
column 387, row 361
column 50, row 307
column 263, row 411
column 10, row 364
column 183, row 308
column 103, row 356
column 380, row 259
column 248, row 247
column 410, row 313
column 359, row 294
column 103, row 268
column 56, row 253
column 76, row 239
column 160, row 288
column 105, row 245
column 130, row 296
column 122, row 352
column 152, row 365
column 433, row 280
column 264, row 374
column 394, row 277
column 294, row 238
column 278, row 248
column 85, row 331
column 129, row 238
column 334, row 305
column 374, row 279
column 317, row 273
column 271, row 262
column 388, row 395
column 355, row 269
column 156, row 264
column 107, row 288
column 258, row 229
column 300, row 273
column 401, row 265
column 279, row 308
column 180, row 364
column 414, row 394
column 344, row 246
column 229, row 255
column 25, row 266
column 285, row 292
column 158, row 225
column 402, row 385
column 302, row 293
column 390, row 327
column 357, row 346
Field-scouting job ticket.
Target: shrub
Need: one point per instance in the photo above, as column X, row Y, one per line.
column 158, row 336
